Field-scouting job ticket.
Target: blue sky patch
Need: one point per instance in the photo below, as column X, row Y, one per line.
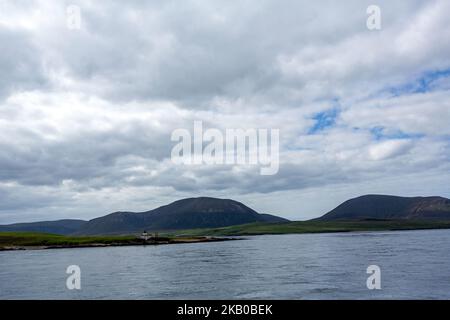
column 420, row 85
column 380, row 133
column 324, row 120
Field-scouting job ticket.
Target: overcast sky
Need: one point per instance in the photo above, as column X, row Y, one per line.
column 86, row 114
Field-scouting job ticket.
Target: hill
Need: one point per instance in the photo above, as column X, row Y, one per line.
column 387, row 207
column 187, row 213
column 63, row 227
column 225, row 216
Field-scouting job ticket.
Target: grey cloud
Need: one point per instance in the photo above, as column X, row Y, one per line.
column 86, row 115
column 83, row 157
column 21, row 63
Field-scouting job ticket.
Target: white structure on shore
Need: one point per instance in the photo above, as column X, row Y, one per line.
column 145, row 236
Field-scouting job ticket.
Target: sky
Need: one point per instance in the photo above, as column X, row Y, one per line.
column 87, row 113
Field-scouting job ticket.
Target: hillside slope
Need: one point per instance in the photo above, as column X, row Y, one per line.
column 188, row 213
column 63, row 227
column 391, row 207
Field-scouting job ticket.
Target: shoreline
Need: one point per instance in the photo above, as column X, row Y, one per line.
column 118, row 244
column 11, row 241
column 312, row 226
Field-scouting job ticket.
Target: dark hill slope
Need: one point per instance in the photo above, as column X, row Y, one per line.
column 63, row 227
column 191, row 213
column 391, row 207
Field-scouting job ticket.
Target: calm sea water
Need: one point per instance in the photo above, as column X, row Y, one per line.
column 414, row 264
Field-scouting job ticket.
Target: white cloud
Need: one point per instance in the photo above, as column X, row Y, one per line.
column 86, row 115
column 389, row 149
column 426, row 113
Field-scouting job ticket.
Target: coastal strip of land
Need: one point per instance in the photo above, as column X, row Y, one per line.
column 36, row 241
column 316, row 226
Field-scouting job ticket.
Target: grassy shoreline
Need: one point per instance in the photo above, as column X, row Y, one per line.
column 312, row 226
column 35, row 241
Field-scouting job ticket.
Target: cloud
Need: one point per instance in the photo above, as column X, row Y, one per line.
column 388, row 149
column 425, row 113
column 86, row 115
column 20, row 62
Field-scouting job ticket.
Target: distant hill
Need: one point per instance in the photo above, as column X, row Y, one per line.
column 63, row 227
column 191, row 213
column 204, row 212
column 391, row 208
